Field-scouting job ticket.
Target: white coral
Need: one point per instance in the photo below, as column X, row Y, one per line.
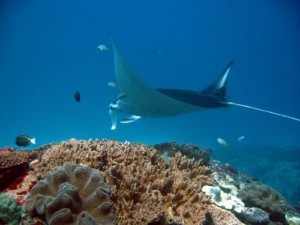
column 224, row 200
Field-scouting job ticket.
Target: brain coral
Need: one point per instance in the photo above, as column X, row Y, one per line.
column 144, row 189
column 72, row 194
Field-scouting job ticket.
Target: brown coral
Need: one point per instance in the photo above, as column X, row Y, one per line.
column 10, row 158
column 144, row 189
column 13, row 164
column 72, row 194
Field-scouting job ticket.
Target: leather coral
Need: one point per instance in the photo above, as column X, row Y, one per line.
column 72, row 194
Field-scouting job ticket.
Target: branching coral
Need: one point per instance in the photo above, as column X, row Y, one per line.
column 144, row 189
column 72, row 194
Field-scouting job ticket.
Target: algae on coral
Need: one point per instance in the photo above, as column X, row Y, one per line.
column 10, row 212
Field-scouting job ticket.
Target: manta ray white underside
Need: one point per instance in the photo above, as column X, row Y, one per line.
column 141, row 99
column 138, row 98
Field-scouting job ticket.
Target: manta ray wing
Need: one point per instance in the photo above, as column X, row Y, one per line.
column 140, row 99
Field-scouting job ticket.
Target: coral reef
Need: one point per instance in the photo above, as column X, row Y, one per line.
column 10, row 212
column 144, row 189
column 72, row 194
column 141, row 184
column 189, row 150
column 13, row 164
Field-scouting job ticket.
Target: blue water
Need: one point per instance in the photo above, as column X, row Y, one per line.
column 48, row 50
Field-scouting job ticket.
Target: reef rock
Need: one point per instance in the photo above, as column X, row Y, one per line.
column 260, row 203
column 256, row 194
column 72, row 194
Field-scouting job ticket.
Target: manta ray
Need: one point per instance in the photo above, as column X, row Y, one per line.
column 139, row 99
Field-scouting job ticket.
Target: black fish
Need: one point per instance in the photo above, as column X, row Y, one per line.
column 24, row 140
column 77, row 96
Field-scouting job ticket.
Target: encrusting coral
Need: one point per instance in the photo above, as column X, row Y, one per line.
column 72, row 194
column 13, row 164
column 11, row 157
column 144, row 189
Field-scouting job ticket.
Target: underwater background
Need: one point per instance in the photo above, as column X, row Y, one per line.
column 48, row 51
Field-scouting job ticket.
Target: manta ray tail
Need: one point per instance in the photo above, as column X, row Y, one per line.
column 263, row 110
column 218, row 86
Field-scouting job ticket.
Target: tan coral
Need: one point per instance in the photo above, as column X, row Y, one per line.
column 144, row 189
column 72, row 194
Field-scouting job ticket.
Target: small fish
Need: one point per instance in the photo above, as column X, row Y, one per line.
column 103, row 48
column 24, row 140
column 241, row 138
column 166, row 158
column 77, row 96
column 111, row 84
column 222, row 142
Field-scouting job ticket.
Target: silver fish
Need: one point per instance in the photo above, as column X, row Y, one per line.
column 222, row 142
column 111, row 84
column 103, row 47
column 241, row 138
